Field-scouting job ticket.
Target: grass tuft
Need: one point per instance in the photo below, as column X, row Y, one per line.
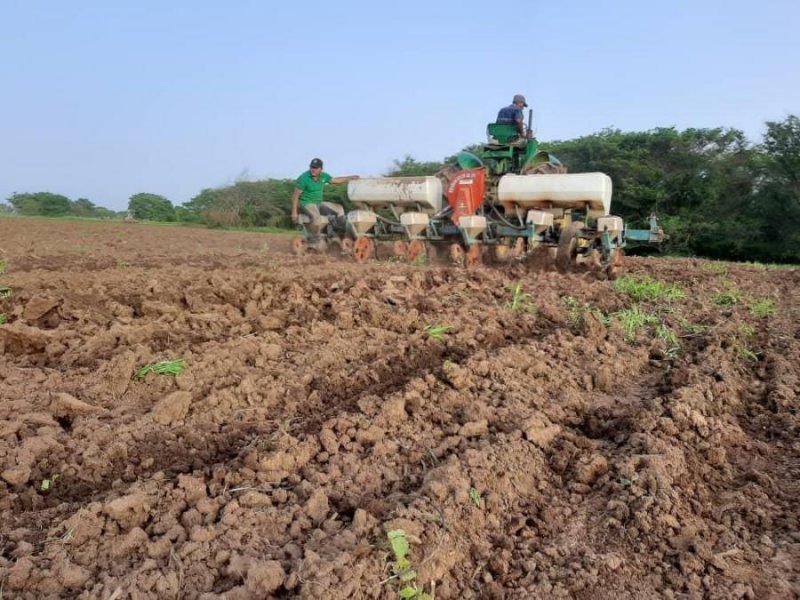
column 520, row 301
column 633, row 319
column 729, row 297
column 437, row 332
column 762, row 308
column 649, row 289
column 163, row 367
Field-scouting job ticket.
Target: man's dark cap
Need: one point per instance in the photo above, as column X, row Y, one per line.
column 316, row 163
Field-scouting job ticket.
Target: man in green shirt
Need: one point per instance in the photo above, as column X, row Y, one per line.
column 308, row 193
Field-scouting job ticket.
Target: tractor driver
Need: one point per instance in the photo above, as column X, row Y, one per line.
column 513, row 115
column 308, row 190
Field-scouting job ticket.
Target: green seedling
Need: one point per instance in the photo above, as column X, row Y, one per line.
column 437, row 331
column 164, row 367
column 520, row 300
column 632, row 320
column 3, row 319
column 475, row 496
column 403, row 569
column 649, row 289
column 762, row 308
column 5, row 291
column 48, row 483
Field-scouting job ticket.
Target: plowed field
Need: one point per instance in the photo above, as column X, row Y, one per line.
column 536, row 448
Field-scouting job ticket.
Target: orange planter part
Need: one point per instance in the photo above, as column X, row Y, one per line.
column 465, row 193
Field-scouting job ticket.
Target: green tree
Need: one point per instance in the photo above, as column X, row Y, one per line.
column 83, row 207
column 41, row 204
column 777, row 200
column 151, row 207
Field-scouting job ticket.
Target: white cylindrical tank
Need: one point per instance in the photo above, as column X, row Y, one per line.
column 568, row 190
column 402, row 192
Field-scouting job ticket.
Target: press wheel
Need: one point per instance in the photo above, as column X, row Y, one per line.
column 473, row 256
column 299, row 246
column 416, row 249
column 400, row 248
column 567, row 247
column 363, row 249
column 456, row 254
column 614, row 263
column 518, row 247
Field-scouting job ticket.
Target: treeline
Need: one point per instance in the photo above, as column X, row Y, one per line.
column 46, row 204
column 717, row 194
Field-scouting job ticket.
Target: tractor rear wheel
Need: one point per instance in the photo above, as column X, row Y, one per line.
column 567, row 247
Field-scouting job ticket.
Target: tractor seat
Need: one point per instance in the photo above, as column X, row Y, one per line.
column 502, row 133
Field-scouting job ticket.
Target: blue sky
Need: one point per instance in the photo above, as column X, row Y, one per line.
column 107, row 99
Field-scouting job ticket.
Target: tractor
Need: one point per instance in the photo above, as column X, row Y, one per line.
column 508, row 200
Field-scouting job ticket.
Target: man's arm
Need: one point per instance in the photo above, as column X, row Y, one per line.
column 295, row 198
column 344, row 179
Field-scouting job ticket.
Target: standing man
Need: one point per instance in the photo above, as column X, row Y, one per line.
column 513, row 115
column 308, row 190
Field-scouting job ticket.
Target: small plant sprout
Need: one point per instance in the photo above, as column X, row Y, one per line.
column 3, row 319
column 48, row 483
column 5, row 291
column 648, row 289
column 437, row 331
column 762, row 308
column 403, row 569
column 475, row 496
column 520, row 300
column 164, row 367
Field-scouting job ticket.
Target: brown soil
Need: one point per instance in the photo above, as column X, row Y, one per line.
column 526, row 454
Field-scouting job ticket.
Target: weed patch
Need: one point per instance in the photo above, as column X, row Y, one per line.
column 633, row 320
column 762, row 308
column 649, row 289
column 729, row 297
